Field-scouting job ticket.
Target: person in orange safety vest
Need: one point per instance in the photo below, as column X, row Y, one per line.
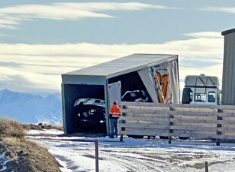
column 114, row 115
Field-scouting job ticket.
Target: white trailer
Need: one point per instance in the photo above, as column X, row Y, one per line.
column 88, row 93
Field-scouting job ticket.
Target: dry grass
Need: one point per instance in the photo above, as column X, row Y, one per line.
column 29, row 155
column 33, row 157
column 59, row 128
column 41, row 127
column 11, row 128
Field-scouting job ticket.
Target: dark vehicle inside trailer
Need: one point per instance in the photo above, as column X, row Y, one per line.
column 85, row 117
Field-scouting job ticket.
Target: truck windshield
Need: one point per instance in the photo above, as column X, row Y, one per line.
column 211, row 97
column 200, row 97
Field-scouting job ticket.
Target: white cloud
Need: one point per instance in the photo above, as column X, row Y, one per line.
column 7, row 26
column 20, row 79
column 39, row 66
column 110, row 6
column 220, row 9
column 204, row 34
column 5, row 78
column 200, row 47
column 11, row 16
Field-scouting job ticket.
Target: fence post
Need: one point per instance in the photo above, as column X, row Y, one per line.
column 170, row 124
column 217, row 142
column 121, row 121
column 121, row 138
column 96, row 156
column 169, row 139
column 206, row 167
column 219, row 118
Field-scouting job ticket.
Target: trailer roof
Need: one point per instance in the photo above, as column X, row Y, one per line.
column 124, row 65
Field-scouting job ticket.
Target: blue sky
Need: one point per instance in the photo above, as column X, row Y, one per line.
column 41, row 39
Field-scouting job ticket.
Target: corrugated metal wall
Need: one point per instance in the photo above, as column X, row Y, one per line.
column 228, row 82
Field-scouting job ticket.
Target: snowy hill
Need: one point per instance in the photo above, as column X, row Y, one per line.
column 28, row 108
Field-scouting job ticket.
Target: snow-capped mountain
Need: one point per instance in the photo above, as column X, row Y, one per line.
column 29, row 108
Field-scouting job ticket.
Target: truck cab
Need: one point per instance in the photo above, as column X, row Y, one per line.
column 201, row 89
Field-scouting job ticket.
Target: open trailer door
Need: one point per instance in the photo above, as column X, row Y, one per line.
column 114, row 93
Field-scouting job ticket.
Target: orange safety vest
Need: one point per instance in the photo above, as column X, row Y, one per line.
column 115, row 111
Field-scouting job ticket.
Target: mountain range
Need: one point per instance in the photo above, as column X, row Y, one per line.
column 28, row 108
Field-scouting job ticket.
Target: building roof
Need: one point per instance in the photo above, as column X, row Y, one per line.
column 124, row 65
column 228, row 31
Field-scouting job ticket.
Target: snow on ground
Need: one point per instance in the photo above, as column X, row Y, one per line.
column 77, row 154
column 45, row 132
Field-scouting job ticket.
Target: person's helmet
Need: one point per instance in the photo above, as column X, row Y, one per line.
column 115, row 102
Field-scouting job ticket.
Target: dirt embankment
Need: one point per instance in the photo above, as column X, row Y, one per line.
column 19, row 154
column 40, row 126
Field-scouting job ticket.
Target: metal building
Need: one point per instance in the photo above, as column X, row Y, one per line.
column 228, row 80
column 138, row 77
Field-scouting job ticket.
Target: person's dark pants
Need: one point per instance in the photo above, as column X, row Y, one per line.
column 113, row 127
